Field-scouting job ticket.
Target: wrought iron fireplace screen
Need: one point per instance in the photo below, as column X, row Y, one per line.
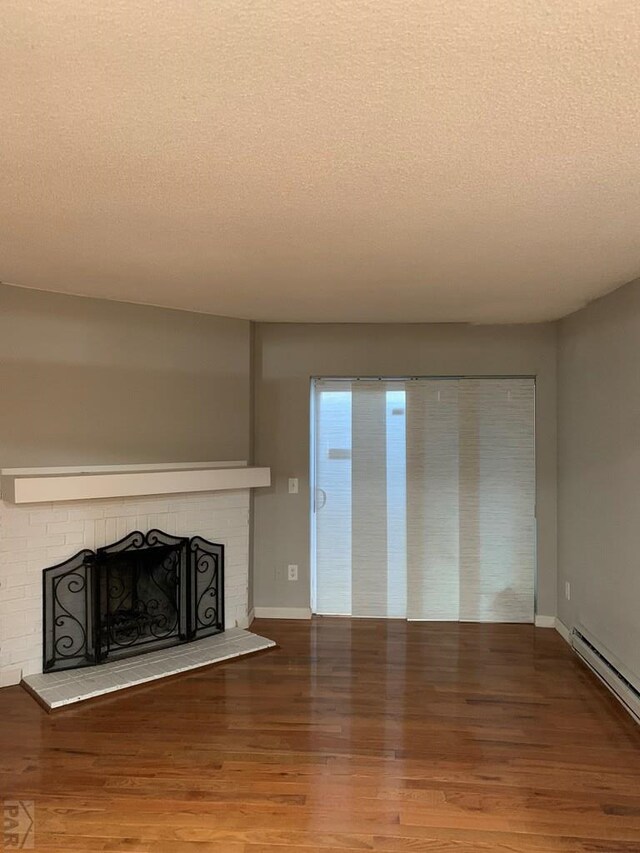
column 145, row 592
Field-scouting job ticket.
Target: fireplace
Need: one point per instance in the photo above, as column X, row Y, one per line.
column 143, row 593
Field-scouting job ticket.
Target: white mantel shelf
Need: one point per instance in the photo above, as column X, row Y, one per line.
column 33, row 486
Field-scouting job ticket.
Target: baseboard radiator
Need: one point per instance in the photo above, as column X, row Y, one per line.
column 599, row 661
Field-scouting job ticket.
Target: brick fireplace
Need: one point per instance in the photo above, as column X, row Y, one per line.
column 34, row 536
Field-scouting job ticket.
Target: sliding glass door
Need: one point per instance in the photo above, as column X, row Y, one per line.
column 424, row 498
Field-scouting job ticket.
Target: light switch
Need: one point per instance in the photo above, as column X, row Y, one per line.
column 293, row 485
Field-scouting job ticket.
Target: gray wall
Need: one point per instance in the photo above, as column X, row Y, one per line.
column 599, row 471
column 87, row 381
column 90, row 381
column 286, row 356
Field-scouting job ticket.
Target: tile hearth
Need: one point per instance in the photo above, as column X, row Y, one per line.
column 57, row 689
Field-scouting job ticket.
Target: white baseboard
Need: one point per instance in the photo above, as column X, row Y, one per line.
column 545, row 621
column 282, row 612
column 305, row 613
column 615, row 677
column 564, row 632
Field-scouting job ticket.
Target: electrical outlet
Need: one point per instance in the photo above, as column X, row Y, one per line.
column 292, row 572
column 293, row 485
column 567, row 590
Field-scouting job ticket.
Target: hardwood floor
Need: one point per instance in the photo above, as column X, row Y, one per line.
column 354, row 735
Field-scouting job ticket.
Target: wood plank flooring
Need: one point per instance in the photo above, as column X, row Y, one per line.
column 354, row 735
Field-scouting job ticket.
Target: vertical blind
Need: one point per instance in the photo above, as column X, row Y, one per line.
column 425, row 498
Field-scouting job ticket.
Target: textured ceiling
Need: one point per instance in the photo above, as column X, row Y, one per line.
column 346, row 160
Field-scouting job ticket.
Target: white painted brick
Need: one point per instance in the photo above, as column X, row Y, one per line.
column 15, row 658
column 75, row 526
column 148, row 505
column 12, row 626
column 31, row 667
column 126, row 507
column 123, row 526
column 89, row 534
column 8, row 510
column 171, row 525
column 19, row 644
column 111, row 529
column 48, row 515
column 144, row 522
column 11, row 545
column 13, row 594
column 48, row 541
column 10, row 676
column 74, row 538
column 23, row 527
column 33, row 539
column 8, row 581
column 183, row 519
column 238, row 544
column 59, row 554
column 87, row 512
column 237, row 553
column 100, row 532
column 30, row 557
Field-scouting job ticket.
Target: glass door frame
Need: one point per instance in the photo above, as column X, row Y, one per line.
column 312, row 459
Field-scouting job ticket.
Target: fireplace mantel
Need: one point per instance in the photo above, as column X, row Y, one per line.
column 48, row 485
